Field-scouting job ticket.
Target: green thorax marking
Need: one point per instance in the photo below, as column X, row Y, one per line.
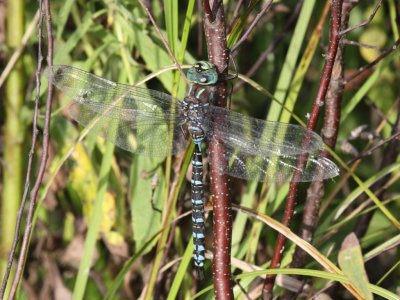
column 203, row 73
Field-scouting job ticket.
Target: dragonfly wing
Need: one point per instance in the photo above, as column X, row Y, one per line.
column 260, row 150
column 135, row 119
column 150, row 136
column 251, row 166
column 88, row 88
column 262, row 137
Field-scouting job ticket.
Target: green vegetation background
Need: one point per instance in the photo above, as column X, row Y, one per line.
column 89, row 184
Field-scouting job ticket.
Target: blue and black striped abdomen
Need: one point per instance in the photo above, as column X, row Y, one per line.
column 198, row 210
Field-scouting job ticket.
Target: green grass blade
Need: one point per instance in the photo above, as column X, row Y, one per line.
column 186, row 30
column 94, row 225
column 171, row 23
column 355, row 193
column 366, row 190
column 63, row 17
column 168, row 214
column 63, row 52
column 240, row 24
column 351, row 262
column 291, row 59
column 181, row 272
column 146, row 221
column 301, row 71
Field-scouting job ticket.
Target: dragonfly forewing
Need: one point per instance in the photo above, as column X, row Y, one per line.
column 262, row 137
column 258, row 150
column 138, row 120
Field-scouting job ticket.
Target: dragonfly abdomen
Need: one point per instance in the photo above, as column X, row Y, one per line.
column 198, row 211
column 196, row 112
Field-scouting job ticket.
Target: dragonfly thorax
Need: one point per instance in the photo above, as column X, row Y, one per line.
column 195, row 111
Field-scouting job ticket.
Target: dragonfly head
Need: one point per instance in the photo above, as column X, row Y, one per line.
column 203, row 73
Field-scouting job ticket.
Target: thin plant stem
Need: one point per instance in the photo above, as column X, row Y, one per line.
column 266, row 7
column 366, row 22
column 43, row 160
column 336, row 12
column 218, row 54
column 165, row 43
column 329, row 135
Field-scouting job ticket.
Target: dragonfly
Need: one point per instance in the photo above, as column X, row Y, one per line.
column 153, row 123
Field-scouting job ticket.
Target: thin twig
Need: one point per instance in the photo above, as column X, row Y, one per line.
column 329, row 134
column 43, row 160
column 389, row 157
column 218, row 54
column 317, row 104
column 165, row 43
column 374, row 148
column 362, row 24
column 235, row 14
column 373, row 63
column 362, row 45
column 252, row 25
column 275, row 42
column 392, row 110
